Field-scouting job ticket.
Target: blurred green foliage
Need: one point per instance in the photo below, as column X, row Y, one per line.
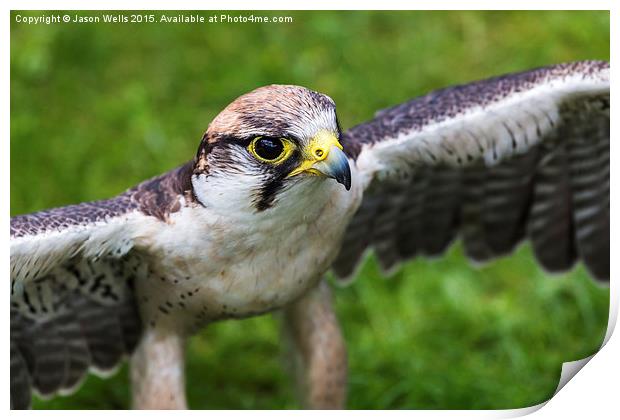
column 109, row 105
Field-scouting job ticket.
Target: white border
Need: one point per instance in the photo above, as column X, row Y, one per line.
column 311, row 5
column 595, row 390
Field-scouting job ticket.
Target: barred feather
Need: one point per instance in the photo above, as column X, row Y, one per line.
column 497, row 161
column 52, row 350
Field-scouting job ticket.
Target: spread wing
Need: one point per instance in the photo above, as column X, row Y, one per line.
column 521, row 156
column 72, row 307
column 72, row 274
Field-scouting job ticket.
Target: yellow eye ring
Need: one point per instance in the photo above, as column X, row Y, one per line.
column 271, row 150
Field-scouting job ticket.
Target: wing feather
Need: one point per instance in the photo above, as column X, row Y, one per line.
column 69, row 287
column 73, row 270
column 519, row 156
column 20, row 379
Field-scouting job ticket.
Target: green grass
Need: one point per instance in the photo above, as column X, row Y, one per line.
column 110, row 105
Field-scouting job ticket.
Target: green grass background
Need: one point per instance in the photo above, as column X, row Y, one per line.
column 97, row 108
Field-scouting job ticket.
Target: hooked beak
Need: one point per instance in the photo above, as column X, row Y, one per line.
column 335, row 166
column 324, row 156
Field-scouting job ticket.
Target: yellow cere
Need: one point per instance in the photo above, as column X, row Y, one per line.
column 317, row 150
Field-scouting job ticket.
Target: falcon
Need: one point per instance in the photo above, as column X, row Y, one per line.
column 277, row 195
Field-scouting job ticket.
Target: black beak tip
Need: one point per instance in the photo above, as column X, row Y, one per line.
column 344, row 178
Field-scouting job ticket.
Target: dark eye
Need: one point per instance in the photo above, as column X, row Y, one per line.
column 268, row 149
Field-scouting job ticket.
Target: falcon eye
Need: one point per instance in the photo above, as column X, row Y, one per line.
column 270, row 149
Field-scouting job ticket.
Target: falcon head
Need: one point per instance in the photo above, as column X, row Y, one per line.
column 269, row 143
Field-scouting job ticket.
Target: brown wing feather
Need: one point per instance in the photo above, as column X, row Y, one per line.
column 551, row 188
column 60, row 333
column 72, row 307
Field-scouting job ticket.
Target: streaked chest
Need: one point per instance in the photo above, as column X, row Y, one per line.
column 210, row 265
